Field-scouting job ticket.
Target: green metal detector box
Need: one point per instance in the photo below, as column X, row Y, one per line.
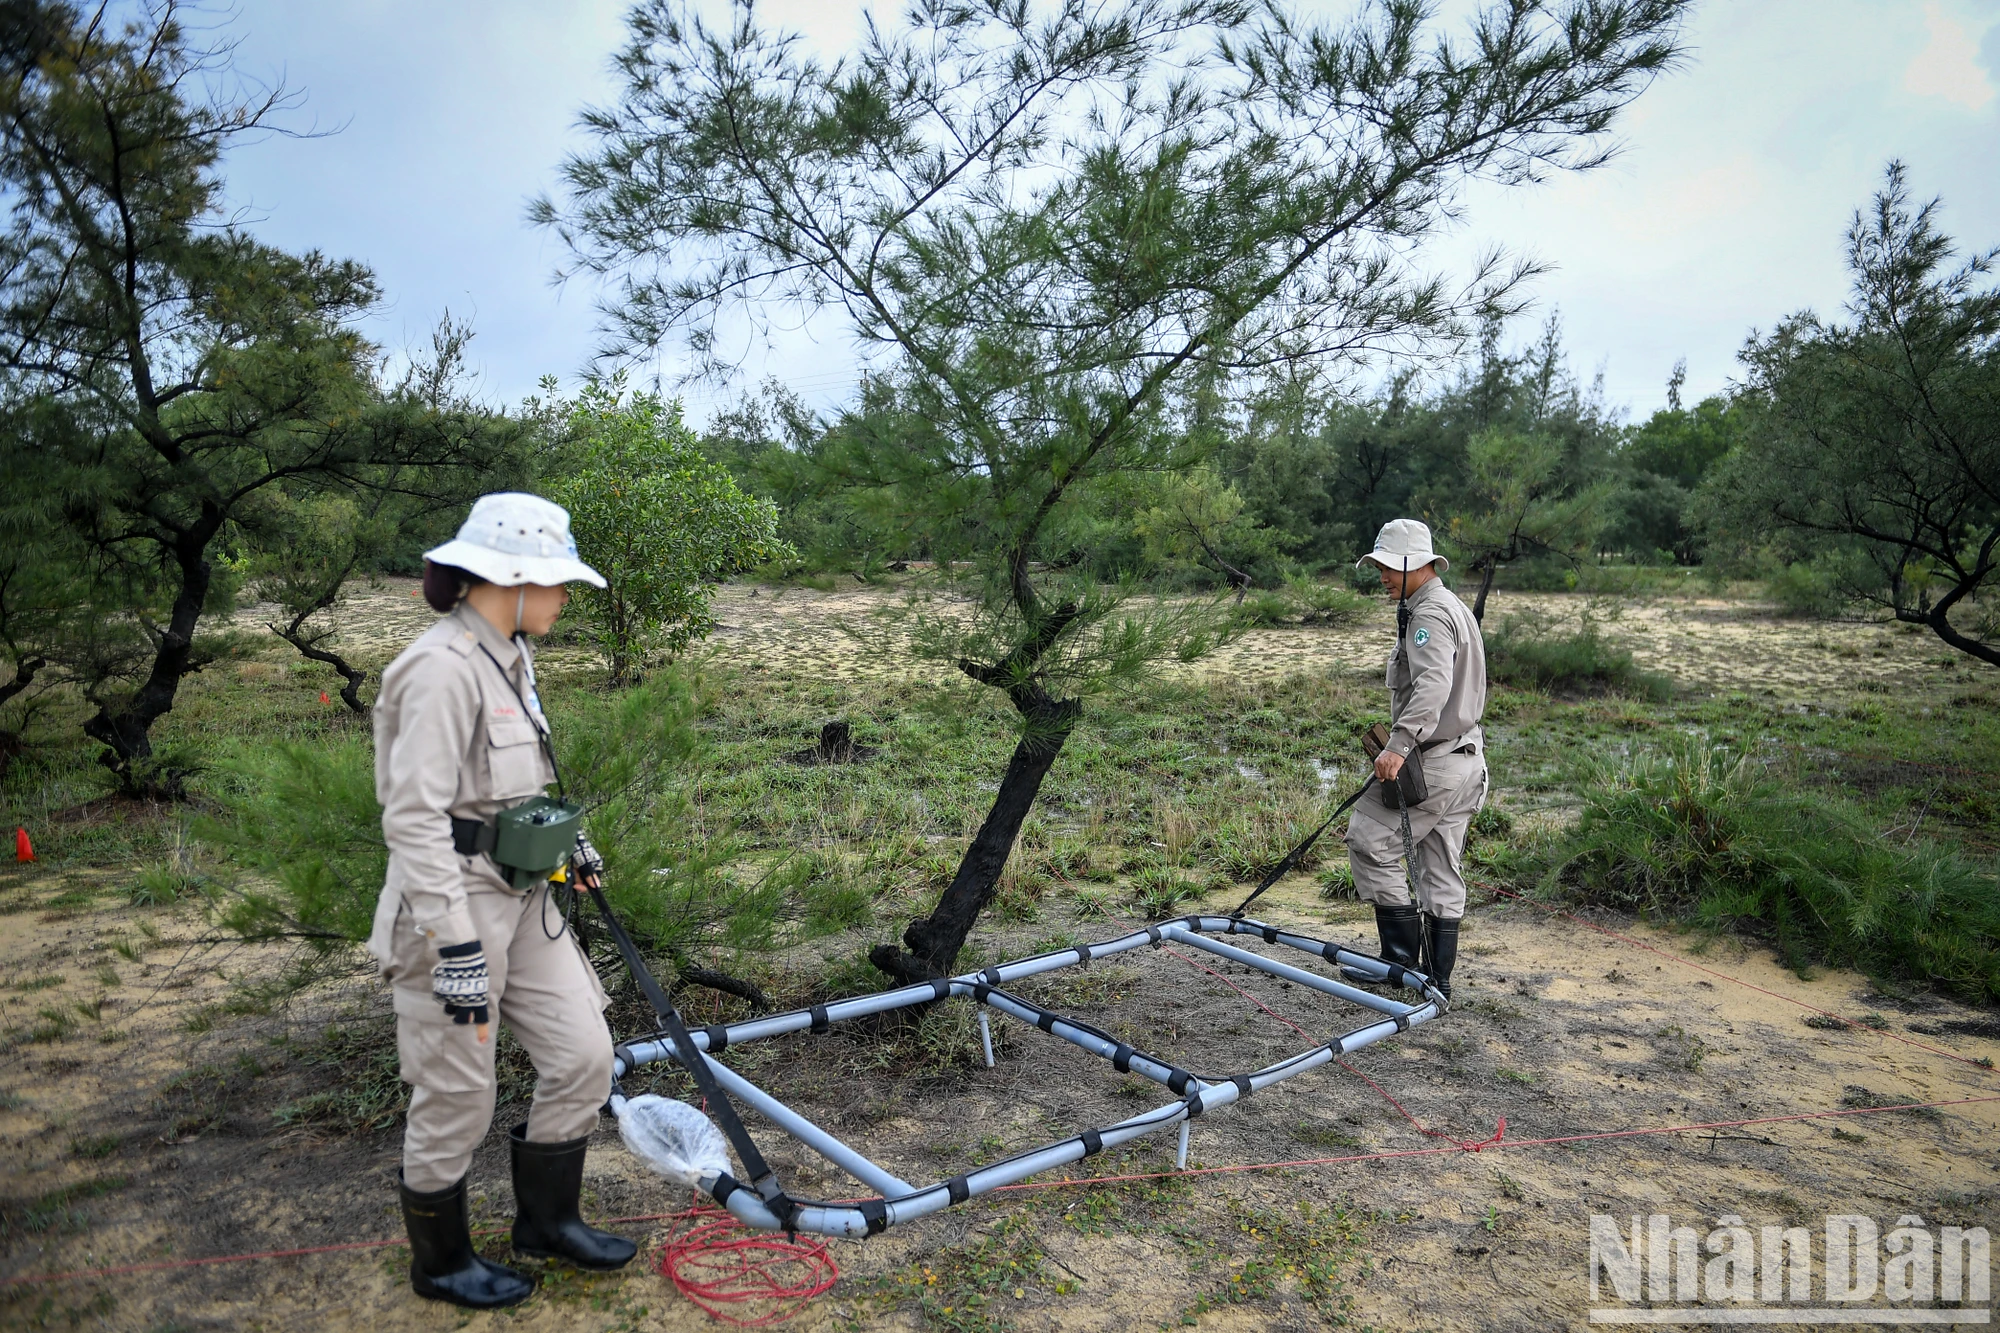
column 534, row 838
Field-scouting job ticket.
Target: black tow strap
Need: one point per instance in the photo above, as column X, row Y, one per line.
column 1284, row 867
column 719, row 1105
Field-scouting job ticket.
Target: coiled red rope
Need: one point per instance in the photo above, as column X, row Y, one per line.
column 722, row 1266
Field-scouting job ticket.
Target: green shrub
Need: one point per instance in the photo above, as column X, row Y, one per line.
column 1305, row 601
column 1702, row 836
column 1806, row 590
column 1578, row 662
column 161, row 883
column 1266, row 608
column 303, row 818
column 1325, row 604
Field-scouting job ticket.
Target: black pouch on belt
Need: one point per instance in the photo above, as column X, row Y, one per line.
column 530, row 841
column 1409, row 788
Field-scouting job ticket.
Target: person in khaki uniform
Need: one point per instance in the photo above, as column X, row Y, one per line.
column 459, row 737
column 1437, row 696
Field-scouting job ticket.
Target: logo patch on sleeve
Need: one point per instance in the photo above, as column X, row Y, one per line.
column 1422, row 637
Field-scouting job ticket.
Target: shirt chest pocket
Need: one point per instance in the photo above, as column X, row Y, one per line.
column 514, row 764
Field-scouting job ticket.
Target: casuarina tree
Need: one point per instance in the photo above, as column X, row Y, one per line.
column 1045, row 225
column 1876, row 444
column 159, row 366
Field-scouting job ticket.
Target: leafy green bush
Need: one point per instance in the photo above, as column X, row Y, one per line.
column 1306, row 601
column 1802, row 589
column 1581, row 661
column 653, row 515
column 1702, row 836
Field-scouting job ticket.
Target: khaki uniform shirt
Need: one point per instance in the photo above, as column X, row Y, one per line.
column 1437, row 675
column 451, row 739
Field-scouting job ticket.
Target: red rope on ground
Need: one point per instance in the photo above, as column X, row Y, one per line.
column 1748, row 985
column 1490, row 1144
column 709, row 1235
column 714, row 1266
column 1072, row 1181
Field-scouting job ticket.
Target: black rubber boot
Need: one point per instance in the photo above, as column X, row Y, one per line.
column 1401, row 930
column 1440, row 951
column 443, row 1266
column 548, row 1180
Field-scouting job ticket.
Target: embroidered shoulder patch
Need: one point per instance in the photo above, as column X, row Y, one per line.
column 1422, row 637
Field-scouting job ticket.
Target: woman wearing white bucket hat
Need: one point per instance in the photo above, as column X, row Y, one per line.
column 1437, row 696
column 459, row 739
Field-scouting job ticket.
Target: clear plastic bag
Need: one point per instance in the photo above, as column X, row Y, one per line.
column 673, row 1138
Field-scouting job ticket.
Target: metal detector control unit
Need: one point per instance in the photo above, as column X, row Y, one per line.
column 534, row 839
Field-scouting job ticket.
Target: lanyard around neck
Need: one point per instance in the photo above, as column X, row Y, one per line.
column 548, row 748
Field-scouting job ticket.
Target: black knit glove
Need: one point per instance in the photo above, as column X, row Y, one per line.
column 587, row 862
column 459, row 982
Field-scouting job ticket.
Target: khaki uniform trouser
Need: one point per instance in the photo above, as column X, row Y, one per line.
column 546, row 993
column 1437, row 830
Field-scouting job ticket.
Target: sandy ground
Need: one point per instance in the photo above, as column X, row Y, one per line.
column 137, row 1131
column 1704, row 642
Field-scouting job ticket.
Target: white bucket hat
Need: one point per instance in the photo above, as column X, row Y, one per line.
column 511, row 538
column 1403, row 544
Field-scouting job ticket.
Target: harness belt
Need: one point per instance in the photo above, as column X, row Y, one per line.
column 470, row 837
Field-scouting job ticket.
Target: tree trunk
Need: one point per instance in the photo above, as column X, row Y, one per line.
column 1938, row 617
column 1485, row 586
column 350, row 693
column 126, row 735
column 934, row 941
column 24, row 676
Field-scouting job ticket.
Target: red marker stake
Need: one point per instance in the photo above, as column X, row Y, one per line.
column 23, row 849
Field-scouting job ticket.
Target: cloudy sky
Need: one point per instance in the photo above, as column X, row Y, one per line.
column 1724, row 211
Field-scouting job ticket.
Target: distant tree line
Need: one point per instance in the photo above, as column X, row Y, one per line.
column 1853, row 465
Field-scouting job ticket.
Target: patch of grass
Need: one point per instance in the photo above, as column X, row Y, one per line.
column 1323, row 1136
column 57, row 1210
column 1160, row 891
column 1705, row 835
column 92, row 1147
column 55, row 1025
column 366, row 1092
column 948, row 1035
column 1860, row 1097
column 974, row 1287
column 1523, row 653
column 1514, row 1075
column 1301, row 1252
column 1336, row 883
column 47, row 981
column 161, row 883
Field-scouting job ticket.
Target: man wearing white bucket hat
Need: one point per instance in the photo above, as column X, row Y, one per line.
column 464, row 926
column 1437, row 696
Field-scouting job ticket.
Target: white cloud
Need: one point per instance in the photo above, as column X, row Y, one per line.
column 1948, row 66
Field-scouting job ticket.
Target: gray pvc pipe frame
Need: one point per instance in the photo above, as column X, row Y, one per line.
column 903, row 1202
